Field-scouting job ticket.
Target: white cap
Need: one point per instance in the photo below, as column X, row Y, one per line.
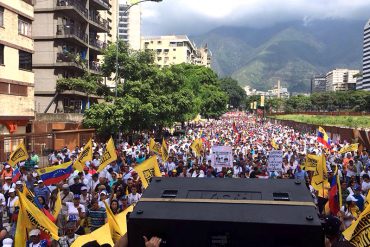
column 18, row 182
column 34, row 232
column 83, row 188
column 351, row 198
column 36, row 166
column 11, row 190
column 7, row 177
column 7, row 166
column 8, row 242
column 34, row 174
column 103, row 192
column 40, row 181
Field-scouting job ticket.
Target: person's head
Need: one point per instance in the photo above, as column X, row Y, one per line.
column 366, row 178
column 86, row 170
column 19, row 185
column 351, row 200
column 357, row 189
column 8, row 180
column 40, row 183
column 76, row 200
column 94, row 204
column 134, row 190
column 114, row 176
column 70, row 229
column 7, row 168
column 76, row 179
column 34, row 236
column 114, row 204
column 95, row 177
column 65, row 188
column 12, row 192
column 41, row 200
column 102, row 179
column 130, row 182
column 84, row 190
column 103, row 195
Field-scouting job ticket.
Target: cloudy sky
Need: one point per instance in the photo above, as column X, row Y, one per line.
column 197, row 16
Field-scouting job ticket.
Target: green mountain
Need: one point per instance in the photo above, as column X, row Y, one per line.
column 290, row 52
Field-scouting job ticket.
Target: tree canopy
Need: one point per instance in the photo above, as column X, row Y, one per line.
column 236, row 93
column 151, row 97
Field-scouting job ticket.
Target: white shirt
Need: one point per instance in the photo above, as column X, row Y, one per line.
column 11, row 203
column 131, row 198
column 72, row 210
column 7, row 187
column 2, row 202
column 365, row 186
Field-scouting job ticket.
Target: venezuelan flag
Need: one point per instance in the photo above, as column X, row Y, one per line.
column 323, row 138
column 55, row 174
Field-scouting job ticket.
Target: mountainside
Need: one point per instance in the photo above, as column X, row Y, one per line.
column 291, row 52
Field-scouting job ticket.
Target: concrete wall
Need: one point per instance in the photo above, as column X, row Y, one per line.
column 12, row 105
column 44, row 25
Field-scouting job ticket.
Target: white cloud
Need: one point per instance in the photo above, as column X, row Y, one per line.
column 194, row 16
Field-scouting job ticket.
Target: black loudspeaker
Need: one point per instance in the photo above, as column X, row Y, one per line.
column 190, row 212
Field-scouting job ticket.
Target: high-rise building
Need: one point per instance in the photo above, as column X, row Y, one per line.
column 129, row 28
column 318, row 84
column 365, row 82
column 176, row 49
column 16, row 77
column 68, row 40
column 341, row 80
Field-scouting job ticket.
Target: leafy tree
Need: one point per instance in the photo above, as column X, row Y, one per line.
column 90, row 84
column 235, row 92
column 214, row 101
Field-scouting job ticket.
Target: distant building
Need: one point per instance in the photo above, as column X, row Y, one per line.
column 359, row 85
column 176, row 49
column 365, row 82
column 16, row 76
column 341, row 80
column 129, row 28
column 318, row 84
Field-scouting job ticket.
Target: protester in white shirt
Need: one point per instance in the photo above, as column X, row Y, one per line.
column 133, row 197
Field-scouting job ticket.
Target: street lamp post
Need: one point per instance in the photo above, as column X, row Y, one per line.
column 117, row 36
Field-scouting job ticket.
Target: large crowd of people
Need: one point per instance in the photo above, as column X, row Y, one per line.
column 86, row 194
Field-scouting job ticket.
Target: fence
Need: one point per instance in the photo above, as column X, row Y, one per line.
column 44, row 143
column 335, row 133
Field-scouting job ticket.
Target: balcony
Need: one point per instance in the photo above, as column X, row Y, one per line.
column 99, row 4
column 71, row 32
column 95, row 67
column 101, row 25
column 97, row 44
column 73, row 5
column 70, row 59
column 30, row 2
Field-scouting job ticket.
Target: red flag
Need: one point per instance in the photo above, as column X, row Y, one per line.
column 333, row 200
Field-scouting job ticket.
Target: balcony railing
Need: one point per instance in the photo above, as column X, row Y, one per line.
column 103, row 3
column 72, row 31
column 95, row 66
column 75, row 4
column 71, row 57
column 100, row 21
column 98, row 43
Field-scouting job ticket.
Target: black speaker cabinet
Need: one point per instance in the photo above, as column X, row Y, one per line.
column 190, row 212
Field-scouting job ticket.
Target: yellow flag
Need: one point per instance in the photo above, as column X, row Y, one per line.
column 274, row 145
column 319, row 179
column 262, row 100
column 255, row 105
column 114, row 226
column 164, row 151
column 85, row 155
column 311, row 162
column 359, row 231
column 251, row 105
column 20, row 237
column 349, row 148
column 57, row 206
column 367, row 201
column 197, row 147
column 28, row 193
column 19, row 154
column 122, row 219
column 101, row 235
column 109, row 155
column 34, row 217
column 148, row 169
column 154, row 146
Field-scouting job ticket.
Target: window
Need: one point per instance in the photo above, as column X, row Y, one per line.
column 25, row 60
column 24, row 26
column 19, row 90
column 159, row 42
column 4, row 88
column 1, row 16
column 1, row 54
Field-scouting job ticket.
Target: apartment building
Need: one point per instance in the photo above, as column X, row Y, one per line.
column 318, row 84
column 365, row 82
column 68, row 40
column 16, row 76
column 341, row 80
column 176, row 49
column 129, row 28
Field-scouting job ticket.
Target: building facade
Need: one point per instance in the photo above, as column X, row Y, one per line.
column 176, row 49
column 16, row 76
column 69, row 37
column 365, row 82
column 318, row 84
column 129, row 28
column 341, row 80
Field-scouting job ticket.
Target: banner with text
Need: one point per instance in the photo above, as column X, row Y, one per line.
column 222, row 156
column 275, row 160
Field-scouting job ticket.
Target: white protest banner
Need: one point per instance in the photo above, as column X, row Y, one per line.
column 275, row 160
column 222, row 156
